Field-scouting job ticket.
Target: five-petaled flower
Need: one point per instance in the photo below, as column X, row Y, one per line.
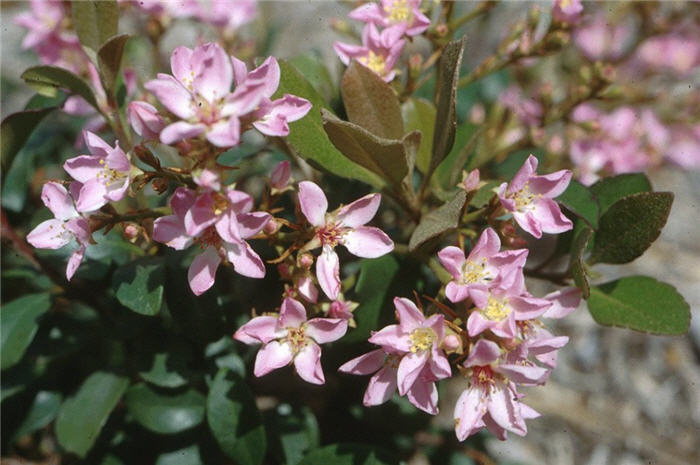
column 345, row 226
column 379, row 51
column 530, row 199
column 291, row 337
column 403, row 14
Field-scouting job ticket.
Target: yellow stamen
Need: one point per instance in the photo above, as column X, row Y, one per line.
column 422, row 339
column 496, row 310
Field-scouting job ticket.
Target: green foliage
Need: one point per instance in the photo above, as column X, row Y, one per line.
column 630, row 225
column 308, row 140
column 581, row 202
column 576, row 264
column 15, row 131
column 438, row 221
column 19, row 324
column 165, row 413
column 43, row 410
column 46, row 80
column 95, row 22
column 347, row 454
column 314, row 69
column 640, row 303
column 391, row 159
column 139, row 285
column 82, row 416
column 610, row 190
column 185, row 456
column 109, row 59
column 419, row 115
column 234, row 419
column 291, row 433
column 371, row 103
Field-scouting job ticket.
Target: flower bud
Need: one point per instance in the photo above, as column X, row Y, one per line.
column 451, row 343
column 280, row 175
column 131, row 232
column 306, row 260
column 470, row 181
column 284, row 270
column 441, row 30
column 207, row 179
column 145, row 120
column 271, row 227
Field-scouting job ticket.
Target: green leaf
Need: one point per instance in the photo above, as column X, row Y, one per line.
column 163, row 360
column 640, row 303
column 308, row 140
column 19, row 324
column 448, row 172
column 576, row 265
column 438, row 221
column 419, row 115
column 109, row 59
column 165, row 414
column 95, row 22
column 234, row 419
column 43, row 410
column 46, row 80
column 139, row 285
column 581, row 202
column 484, row 194
column 15, row 131
column 630, row 226
column 82, row 417
column 370, row 102
column 446, row 121
column 314, row 69
column 371, row 291
column 391, row 159
column 610, row 190
column 291, row 433
column 347, row 454
column 186, row 456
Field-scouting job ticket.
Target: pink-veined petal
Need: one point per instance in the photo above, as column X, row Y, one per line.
column 215, row 75
column 181, row 130
column 483, row 353
column 172, row 95
column 292, row 313
column 249, row 224
column 564, row 302
column 469, row 410
column 92, row 196
column 452, row 259
column 261, row 328
column 368, row 242
column 84, row 167
column 393, row 338
column 170, row 230
column 244, row 260
column 550, row 217
column 380, row 387
column 74, row 262
column 360, row 212
column 487, row 246
column 328, row 272
column 57, row 199
column 313, row 203
column 365, row 364
column 49, row 234
column 271, row 357
column 410, row 368
column 308, row 364
column 424, row 395
column 324, row 330
column 408, row 314
column 202, row 271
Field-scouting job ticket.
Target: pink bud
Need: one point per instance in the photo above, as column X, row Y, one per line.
column 471, row 181
column 145, row 120
column 208, row 179
column 451, row 343
column 131, row 232
column 280, row 175
column 306, row 260
column 271, row 227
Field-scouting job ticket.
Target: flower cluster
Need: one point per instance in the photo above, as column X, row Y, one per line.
column 380, row 50
column 224, row 14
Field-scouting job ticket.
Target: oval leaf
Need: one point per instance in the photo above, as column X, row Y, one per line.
column 139, row 285
column 16, row 129
column 610, row 190
column 165, row 414
column 630, row 226
column 18, row 325
column 419, row 115
column 109, row 59
column 581, row 202
column 308, row 140
column 370, row 102
column 95, row 22
column 438, row 221
column 234, row 419
column 82, row 416
column 640, row 303
column 43, row 410
column 46, row 80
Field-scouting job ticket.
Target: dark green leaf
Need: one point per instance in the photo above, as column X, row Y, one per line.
column 391, row 159
column 46, row 80
column 448, row 172
column 43, row 410
column 163, row 360
column 18, row 325
column 371, row 290
column 291, row 433
column 15, row 130
column 82, row 417
column 109, row 59
column 186, row 456
column 581, row 202
column 419, row 115
column 308, row 140
column 576, row 266
column 438, row 221
column 640, row 303
column 165, row 414
column 370, row 102
column 610, row 190
column 314, row 69
column 446, row 121
column 347, row 454
column 234, row 419
column 95, row 22
column 629, row 227
column 139, row 285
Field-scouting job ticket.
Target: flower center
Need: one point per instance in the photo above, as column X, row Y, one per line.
column 296, row 337
column 422, row 339
column 375, row 62
column 207, row 113
column 219, row 203
column 524, row 198
column 399, row 11
column 209, row 237
column 109, row 175
column 482, row 375
column 392, row 360
column 473, row 272
column 496, row 310
column 331, row 234
column 564, row 4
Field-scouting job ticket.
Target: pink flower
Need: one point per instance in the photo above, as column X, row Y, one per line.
column 290, row 337
column 378, row 52
column 384, row 366
column 272, row 116
column 564, row 302
column 45, row 23
column 502, row 309
column 345, row 226
column 671, row 52
column 471, row 180
column 540, row 343
column 404, row 14
column 227, row 14
column 280, row 175
column 145, row 120
column 199, row 93
column 491, row 400
column 67, row 225
column 484, row 268
column 530, row 199
column 527, row 110
column 598, row 39
column 567, row 11
column 220, row 224
column 105, row 174
column 418, row 340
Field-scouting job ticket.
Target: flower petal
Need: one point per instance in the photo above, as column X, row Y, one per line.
column 483, row 353
column 57, row 199
column 203, row 270
column 292, row 313
column 452, row 258
column 261, row 328
column 365, row 364
column 244, row 260
column 180, row 130
column 249, row 224
column 313, row 203
column 550, row 217
column 92, row 196
column 368, row 242
column 380, row 387
column 84, row 168
column 469, row 410
column 308, row 364
column 271, row 357
column 49, row 234
column 487, row 246
column 424, row 395
column 360, row 212
column 328, row 272
column 74, row 262
column 173, row 95
column 410, row 368
column 408, row 314
column 324, row 330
